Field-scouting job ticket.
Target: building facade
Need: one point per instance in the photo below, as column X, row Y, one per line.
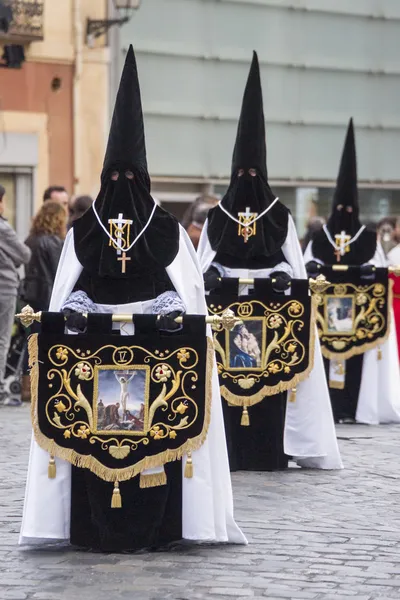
column 54, row 108
column 322, row 62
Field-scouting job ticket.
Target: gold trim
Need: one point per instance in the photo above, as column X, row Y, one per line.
column 266, row 391
column 336, row 385
column 227, row 320
column 356, row 350
column 94, row 465
column 149, row 480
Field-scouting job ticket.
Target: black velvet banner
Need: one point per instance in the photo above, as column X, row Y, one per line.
column 271, row 349
column 353, row 312
column 121, row 404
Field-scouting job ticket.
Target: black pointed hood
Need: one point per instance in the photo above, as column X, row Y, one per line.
column 125, row 191
column 126, row 141
column 250, row 147
column 345, row 197
column 249, row 186
column 345, row 213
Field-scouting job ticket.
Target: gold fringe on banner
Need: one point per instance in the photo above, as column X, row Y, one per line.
column 52, row 469
column 94, row 465
column 189, row 466
column 116, row 500
column 245, row 420
column 149, row 480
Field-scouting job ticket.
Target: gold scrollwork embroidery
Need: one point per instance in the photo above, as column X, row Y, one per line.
column 364, row 319
column 68, row 409
column 279, row 350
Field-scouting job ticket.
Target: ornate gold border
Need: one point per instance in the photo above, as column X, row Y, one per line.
column 91, row 463
column 368, row 345
column 266, row 391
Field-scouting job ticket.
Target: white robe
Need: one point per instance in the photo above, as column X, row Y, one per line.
column 393, row 256
column 309, row 434
column 378, row 399
column 207, row 503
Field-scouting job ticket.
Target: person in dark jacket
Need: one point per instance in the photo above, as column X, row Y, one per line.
column 45, row 241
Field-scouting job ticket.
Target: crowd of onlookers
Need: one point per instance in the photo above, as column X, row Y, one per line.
column 27, row 269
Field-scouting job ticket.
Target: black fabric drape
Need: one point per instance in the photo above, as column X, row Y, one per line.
column 148, row 518
column 258, row 447
column 344, row 402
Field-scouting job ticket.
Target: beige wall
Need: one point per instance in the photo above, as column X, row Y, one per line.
column 94, row 124
column 64, row 43
column 19, row 122
column 57, row 44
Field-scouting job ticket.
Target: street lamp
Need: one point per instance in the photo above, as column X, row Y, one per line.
column 97, row 27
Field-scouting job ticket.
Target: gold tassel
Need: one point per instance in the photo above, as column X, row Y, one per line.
column 189, row 466
column 379, row 354
column 148, row 480
column 51, row 469
column 116, row 500
column 245, row 420
column 292, row 395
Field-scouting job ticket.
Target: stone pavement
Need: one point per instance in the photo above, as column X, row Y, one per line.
column 313, row 535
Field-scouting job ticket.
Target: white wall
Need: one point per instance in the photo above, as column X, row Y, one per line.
column 322, row 61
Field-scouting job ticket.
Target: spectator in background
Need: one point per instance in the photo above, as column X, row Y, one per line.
column 313, row 225
column 57, row 193
column 13, row 253
column 78, row 208
column 196, row 215
column 45, row 241
column 386, row 233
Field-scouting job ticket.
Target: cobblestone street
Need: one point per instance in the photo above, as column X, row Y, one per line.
column 312, row 535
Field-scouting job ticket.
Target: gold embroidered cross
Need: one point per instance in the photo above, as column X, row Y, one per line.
column 247, row 225
column 342, row 244
column 123, row 259
column 120, row 233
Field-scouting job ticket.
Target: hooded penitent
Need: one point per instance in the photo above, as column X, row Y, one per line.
column 249, row 188
column 124, row 204
column 345, row 214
